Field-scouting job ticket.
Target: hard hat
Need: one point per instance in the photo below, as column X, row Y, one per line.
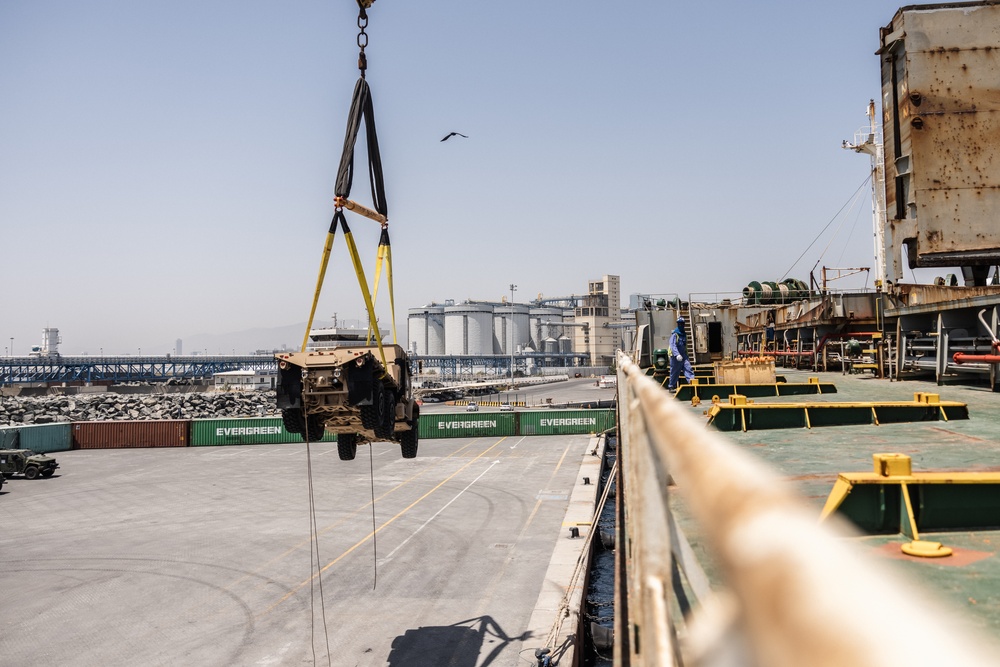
column 680, row 319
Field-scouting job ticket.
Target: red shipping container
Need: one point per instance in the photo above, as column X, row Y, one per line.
column 125, row 434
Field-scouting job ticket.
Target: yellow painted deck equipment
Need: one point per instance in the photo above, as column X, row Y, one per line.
column 894, row 499
column 705, row 392
column 743, row 414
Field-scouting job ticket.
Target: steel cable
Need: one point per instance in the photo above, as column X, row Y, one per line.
column 314, row 564
column 827, row 226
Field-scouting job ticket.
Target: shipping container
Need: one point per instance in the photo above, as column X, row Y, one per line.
column 39, row 438
column 465, row 425
column 565, row 422
column 244, row 431
column 127, row 434
column 10, row 437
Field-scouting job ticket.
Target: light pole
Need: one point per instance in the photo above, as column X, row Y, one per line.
column 513, row 288
column 12, row 346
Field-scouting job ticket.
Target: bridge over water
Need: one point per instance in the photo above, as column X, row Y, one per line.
column 119, row 369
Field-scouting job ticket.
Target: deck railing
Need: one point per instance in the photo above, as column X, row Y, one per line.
column 794, row 592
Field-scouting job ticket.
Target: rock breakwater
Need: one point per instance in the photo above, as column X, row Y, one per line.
column 110, row 407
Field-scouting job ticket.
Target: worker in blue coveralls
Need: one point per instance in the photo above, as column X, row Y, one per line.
column 679, row 355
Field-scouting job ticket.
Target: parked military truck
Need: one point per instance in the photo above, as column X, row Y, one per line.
column 350, row 392
column 26, row 462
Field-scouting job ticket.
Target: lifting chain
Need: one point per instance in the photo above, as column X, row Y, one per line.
column 362, row 35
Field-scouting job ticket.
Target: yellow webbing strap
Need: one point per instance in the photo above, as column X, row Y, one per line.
column 322, row 275
column 362, row 281
column 378, row 275
column 384, row 255
column 388, row 275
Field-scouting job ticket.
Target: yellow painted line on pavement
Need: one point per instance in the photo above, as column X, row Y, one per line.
column 378, row 530
column 267, row 580
column 487, row 597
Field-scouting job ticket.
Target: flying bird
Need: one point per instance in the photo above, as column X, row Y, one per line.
column 452, row 134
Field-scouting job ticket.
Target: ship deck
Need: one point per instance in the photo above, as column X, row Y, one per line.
column 810, row 460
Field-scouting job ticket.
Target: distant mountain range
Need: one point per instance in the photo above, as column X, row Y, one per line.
column 249, row 341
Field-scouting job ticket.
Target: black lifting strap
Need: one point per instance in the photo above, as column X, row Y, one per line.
column 361, row 108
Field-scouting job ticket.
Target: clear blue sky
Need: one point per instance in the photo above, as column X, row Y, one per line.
column 167, row 169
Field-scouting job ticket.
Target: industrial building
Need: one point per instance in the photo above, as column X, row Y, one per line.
column 597, row 316
column 246, row 380
column 493, row 337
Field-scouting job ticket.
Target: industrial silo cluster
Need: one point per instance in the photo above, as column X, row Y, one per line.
column 478, row 328
column 468, row 329
column 425, row 327
column 511, row 327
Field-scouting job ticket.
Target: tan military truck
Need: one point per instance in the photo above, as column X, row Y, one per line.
column 26, row 462
column 350, row 392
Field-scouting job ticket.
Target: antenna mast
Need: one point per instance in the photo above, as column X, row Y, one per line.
column 870, row 142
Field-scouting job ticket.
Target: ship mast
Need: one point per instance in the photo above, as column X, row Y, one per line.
column 870, row 142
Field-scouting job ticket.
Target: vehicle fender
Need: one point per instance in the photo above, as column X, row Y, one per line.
column 405, row 410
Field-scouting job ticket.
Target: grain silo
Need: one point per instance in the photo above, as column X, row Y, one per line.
column 426, row 330
column 506, row 320
column 543, row 323
column 468, row 329
column 550, row 346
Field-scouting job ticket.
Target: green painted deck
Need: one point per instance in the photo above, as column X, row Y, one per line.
column 810, row 459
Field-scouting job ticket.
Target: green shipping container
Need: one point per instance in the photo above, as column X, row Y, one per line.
column 466, row 425
column 40, row 438
column 565, row 422
column 243, row 431
column 10, row 437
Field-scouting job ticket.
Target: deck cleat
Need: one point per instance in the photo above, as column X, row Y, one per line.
column 925, row 549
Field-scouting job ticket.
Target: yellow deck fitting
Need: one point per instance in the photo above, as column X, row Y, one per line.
column 925, row 549
column 894, row 499
column 892, row 465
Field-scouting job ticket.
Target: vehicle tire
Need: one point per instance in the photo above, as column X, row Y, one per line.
column 316, row 428
column 408, row 443
column 387, row 427
column 48, row 473
column 372, row 416
column 292, row 418
column 347, row 446
column 30, row 472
